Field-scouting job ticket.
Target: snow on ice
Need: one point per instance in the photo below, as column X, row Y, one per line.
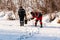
column 11, row 30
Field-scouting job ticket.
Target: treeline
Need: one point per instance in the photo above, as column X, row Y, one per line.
column 45, row 5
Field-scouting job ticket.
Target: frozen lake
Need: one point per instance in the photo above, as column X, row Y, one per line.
column 10, row 30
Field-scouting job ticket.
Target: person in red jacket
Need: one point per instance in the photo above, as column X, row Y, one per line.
column 38, row 18
column 38, row 15
column 33, row 15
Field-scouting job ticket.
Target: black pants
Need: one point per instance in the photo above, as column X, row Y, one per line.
column 21, row 21
column 37, row 21
column 25, row 21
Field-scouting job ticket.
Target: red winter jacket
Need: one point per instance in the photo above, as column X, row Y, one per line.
column 37, row 15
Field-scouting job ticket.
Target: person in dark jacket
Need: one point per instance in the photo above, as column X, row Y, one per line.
column 22, row 14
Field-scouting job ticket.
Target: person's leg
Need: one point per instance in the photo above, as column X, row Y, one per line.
column 25, row 21
column 21, row 21
column 36, row 22
column 41, row 23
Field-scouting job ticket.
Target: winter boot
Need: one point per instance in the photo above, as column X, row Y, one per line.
column 41, row 26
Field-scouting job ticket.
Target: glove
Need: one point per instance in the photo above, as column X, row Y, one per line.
column 32, row 18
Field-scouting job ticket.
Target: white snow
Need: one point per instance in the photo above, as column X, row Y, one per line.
column 11, row 30
column 4, row 15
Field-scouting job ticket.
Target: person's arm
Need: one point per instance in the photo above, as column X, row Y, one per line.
column 32, row 15
column 24, row 13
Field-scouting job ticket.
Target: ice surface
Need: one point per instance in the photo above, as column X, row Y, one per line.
column 11, row 30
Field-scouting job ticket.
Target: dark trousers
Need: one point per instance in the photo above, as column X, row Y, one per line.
column 21, row 21
column 25, row 21
column 37, row 21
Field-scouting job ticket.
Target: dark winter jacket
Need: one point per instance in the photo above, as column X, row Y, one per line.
column 37, row 15
column 21, row 13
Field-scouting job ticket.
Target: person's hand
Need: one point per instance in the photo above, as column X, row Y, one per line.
column 32, row 18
